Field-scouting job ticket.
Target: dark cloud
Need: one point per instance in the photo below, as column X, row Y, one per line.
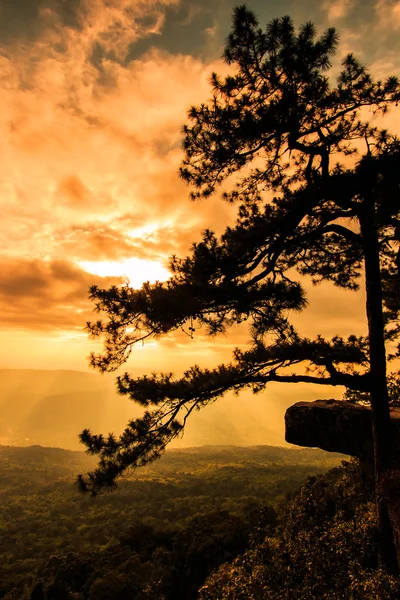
column 26, row 19
column 200, row 27
column 367, row 28
column 43, row 295
column 196, row 27
column 380, row 19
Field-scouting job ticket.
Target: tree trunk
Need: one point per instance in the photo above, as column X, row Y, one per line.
column 379, row 396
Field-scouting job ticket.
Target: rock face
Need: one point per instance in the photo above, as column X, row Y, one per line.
column 336, row 426
column 345, row 427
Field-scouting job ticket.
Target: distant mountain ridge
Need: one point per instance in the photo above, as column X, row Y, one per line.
column 48, row 464
column 51, row 407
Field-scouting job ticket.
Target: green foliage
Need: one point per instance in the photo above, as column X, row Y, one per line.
column 325, row 547
column 167, row 528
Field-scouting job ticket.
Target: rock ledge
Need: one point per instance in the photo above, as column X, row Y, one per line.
column 336, row 426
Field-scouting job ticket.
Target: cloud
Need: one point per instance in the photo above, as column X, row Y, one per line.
column 388, row 14
column 73, row 193
column 87, row 142
column 337, row 9
column 93, row 241
column 25, row 19
column 91, row 142
column 51, row 295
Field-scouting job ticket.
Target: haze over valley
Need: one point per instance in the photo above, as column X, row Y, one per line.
column 51, row 407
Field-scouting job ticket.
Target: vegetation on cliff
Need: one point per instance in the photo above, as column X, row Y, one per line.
column 325, row 546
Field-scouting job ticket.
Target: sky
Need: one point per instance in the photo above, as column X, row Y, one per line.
column 93, row 97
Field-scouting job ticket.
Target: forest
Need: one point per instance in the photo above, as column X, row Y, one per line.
column 165, row 529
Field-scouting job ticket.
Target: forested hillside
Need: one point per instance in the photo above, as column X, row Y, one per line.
column 169, row 525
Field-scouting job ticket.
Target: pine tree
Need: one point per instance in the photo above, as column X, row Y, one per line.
column 316, row 188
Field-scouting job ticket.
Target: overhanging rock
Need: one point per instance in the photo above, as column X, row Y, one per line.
column 336, row 426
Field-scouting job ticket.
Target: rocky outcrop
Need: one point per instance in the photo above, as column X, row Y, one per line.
column 336, row 426
column 344, row 427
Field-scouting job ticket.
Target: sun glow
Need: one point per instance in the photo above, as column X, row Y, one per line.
column 145, row 231
column 136, row 270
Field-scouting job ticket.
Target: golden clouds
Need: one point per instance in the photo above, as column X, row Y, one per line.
column 118, row 23
column 388, row 14
column 45, row 295
column 90, row 147
column 90, row 152
column 135, row 270
column 92, row 241
column 72, row 192
column 337, row 9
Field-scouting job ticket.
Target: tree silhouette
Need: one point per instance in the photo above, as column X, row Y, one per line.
column 316, row 188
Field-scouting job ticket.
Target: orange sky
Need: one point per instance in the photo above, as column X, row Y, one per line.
column 93, row 95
